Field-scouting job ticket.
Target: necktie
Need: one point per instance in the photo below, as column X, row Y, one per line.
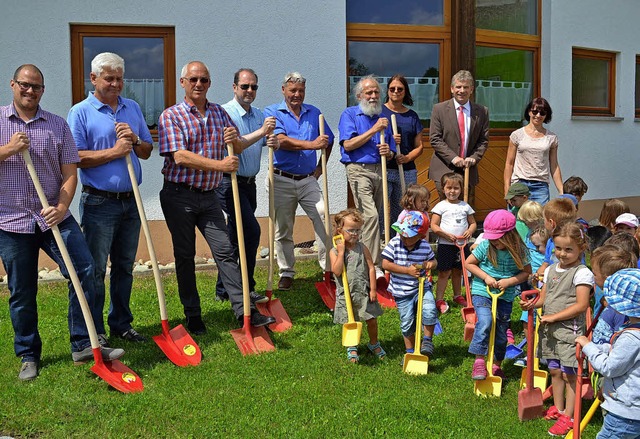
column 462, row 130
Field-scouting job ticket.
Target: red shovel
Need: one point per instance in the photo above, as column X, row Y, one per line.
column 468, row 312
column 384, row 297
column 176, row 343
column 326, row 288
column 250, row 340
column 273, row 307
column 116, row 374
column 530, row 403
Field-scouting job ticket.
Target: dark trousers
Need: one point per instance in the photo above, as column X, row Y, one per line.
column 185, row 210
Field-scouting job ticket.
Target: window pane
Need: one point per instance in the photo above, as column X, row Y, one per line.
column 590, row 85
column 414, row 12
column 504, row 84
column 419, row 63
column 144, row 70
column 508, row 15
column 637, row 86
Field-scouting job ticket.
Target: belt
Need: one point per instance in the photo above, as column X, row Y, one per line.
column 189, row 187
column 106, row 194
column 246, row 180
column 296, row 177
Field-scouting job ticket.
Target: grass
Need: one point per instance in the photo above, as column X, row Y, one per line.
column 306, row 388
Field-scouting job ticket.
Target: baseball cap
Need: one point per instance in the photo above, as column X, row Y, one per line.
column 628, row 219
column 622, row 291
column 517, row 189
column 497, row 223
column 412, row 224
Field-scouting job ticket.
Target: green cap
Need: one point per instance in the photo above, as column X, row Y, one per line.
column 516, row 189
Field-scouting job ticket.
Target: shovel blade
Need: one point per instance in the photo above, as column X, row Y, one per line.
column 490, row 386
column 513, row 351
column 118, row 376
column 178, row 346
column 469, row 328
column 386, row 299
column 351, row 333
column 415, row 364
column 252, row 340
column 327, row 290
column 275, row 309
column 530, row 404
column 540, row 378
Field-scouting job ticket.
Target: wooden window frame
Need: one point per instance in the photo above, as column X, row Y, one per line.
column 637, row 110
column 599, row 55
column 79, row 31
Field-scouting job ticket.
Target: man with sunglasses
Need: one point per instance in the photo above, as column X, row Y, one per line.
column 296, row 172
column 25, row 226
column 106, row 128
column 193, row 135
column 248, row 119
column 459, row 134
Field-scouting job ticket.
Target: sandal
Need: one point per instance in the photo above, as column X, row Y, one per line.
column 372, row 347
column 352, row 354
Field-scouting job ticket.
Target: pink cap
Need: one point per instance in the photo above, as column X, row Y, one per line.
column 497, row 223
column 628, row 219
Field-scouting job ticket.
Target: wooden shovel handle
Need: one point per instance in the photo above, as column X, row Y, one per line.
column 325, row 195
column 394, row 127
column 385, row 193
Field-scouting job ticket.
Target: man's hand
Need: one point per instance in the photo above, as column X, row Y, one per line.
column 381, row 124
column 384, row 150
column 53, row 215
column 122, row 147
column 123, row 131
column 469, row 162
column 272, row 142
column 229, row 164
column 397, row 138
column 321, row 142
column 458, row 162
column 19, row 142
column 269, row 125
column 230, row 135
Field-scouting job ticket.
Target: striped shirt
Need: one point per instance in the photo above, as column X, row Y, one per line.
column 51, row 147
column 181, row 127
column 402, row 285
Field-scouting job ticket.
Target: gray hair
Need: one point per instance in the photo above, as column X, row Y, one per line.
column 293, row 77
column 360, row 85
column 462, row 76
column 106, row 59
column 183, row 72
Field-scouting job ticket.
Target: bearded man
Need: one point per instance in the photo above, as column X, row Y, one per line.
column 362, row 149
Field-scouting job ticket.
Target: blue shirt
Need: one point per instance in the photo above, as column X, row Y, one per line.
column 409, row 126
column 354, row 122
column 93, row 128
column 402, row 285
column 506, row 268
column 247, row 122
column 307, row 127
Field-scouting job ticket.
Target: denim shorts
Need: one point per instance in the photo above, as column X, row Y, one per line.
column 408, row 310
column 617, row 427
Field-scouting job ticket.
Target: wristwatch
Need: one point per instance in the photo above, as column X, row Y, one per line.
column 138, row 141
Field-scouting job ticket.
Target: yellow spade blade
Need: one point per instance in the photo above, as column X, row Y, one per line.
column 490, row 386
column 540, row 378
column 415, row 364
column 351, row 333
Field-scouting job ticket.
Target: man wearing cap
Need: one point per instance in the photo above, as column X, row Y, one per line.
column 627, row 222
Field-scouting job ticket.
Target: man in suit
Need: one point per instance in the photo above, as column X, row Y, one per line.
column 459, row 134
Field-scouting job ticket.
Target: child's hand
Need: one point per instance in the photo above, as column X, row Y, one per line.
column 466, row 234
column 503, row 284
column 430, row 265
column 373, row 295
column 526, row 305
column 451, row 237
column 582, row 340
column 340, row 245
column 549, row 318
column 413, row 270
column 490, row 282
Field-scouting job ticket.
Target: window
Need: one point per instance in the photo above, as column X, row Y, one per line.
column 637, row 86
column 149, row 56
column 593, row 83
column 413, row 12
column 508, row 16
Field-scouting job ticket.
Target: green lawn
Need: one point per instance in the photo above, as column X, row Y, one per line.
column 306, row 388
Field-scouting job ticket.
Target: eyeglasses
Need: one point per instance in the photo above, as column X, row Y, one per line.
column 541, row 112
column 24, row 86
column 353, row 231
column 396, row 89
column 253, row 87
column 194, row 80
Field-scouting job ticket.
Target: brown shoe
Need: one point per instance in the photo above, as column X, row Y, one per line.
column 285, row 283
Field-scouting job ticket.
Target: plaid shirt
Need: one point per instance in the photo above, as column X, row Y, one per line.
column 181, row 127
column 51, row 147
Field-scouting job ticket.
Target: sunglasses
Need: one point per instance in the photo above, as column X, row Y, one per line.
column 247, row 87
column 540, row 112
column 24, row 86
column 396, row 89
column 194, row 80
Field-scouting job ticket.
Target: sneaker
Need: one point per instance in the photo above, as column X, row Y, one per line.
column 497, row 372
column 28, row 371
column 562, row 426
column 132, row 335
column 85, row 355
column 479, row 371
column 379, row 273
column 258, row 298
column 510, row 339
column 426, row 348
column 442, row 306
column 284, row 284
column 103, row 340
column 551, row 413
column 460, row 301
column 195, row 325
column 520, row 362
column 258, row 319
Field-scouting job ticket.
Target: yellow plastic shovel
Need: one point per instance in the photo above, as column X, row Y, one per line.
column 540, row 377
column 416, row 363
column 352, row 330
column 491, row 385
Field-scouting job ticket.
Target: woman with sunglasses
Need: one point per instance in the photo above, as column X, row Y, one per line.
column 409, row 138
column 532, row 156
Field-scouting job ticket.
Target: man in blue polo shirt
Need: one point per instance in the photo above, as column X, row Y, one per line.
column 106, row 127
column 361, row 150
column 296, row 171
column 248, row 119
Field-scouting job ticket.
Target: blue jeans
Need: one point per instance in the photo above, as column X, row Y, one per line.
column 480, row 342
column 19, row 253
column 250, row 225
column 539, row 190
column 617, row 427
column 111, row 227
column 408, row 310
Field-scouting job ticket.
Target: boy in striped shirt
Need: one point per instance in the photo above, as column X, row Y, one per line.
column 408, row 256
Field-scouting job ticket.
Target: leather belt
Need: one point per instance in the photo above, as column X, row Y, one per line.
column 242, row 179
column 189, row 187
column 296, row 177
column 111, row 195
